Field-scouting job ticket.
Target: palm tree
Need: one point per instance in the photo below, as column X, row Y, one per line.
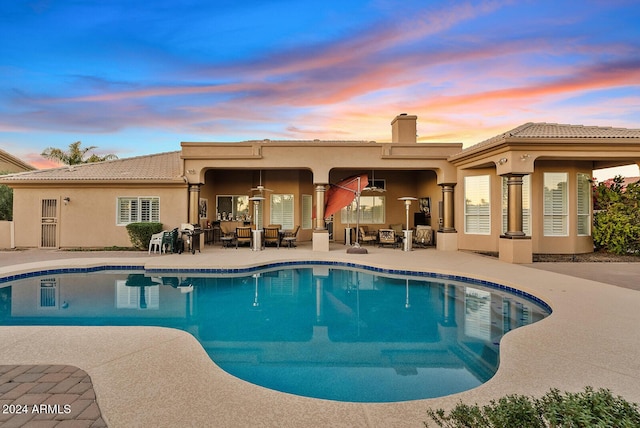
column 75, row 155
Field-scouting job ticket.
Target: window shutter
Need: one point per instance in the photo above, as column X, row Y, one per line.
column 307, row 211
column 282, row 210
column 555, row 204
column 477, row 207
column 584, row 204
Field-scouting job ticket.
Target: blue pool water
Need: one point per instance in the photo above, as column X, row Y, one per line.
column 331, row 332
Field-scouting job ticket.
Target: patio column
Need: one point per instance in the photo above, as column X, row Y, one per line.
column 447, row 236
column 194, row 203
column 514, row 206
column 514, row 246
column 447, row 208
column 320, row 189
column 320, row 233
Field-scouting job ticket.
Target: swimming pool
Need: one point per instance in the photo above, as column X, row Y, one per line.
column 333, row 331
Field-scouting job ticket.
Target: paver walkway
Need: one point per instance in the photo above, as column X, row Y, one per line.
column 47, row 396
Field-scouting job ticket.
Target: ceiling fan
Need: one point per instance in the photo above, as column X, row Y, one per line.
column 372, row 184
column 260, row 188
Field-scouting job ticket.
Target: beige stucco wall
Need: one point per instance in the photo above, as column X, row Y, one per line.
column 319, row 157
column 89, row 219
column 571, row 244
column 467, row 241
column 6, row 232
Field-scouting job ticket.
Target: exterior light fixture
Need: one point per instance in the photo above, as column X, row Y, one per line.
column 67, row 200
column 502, row 161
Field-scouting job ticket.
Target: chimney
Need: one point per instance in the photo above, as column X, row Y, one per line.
column 403, row 129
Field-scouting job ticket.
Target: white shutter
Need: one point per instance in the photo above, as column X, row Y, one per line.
column 584, row 204
column 477, row 207
column 282, row 210
column 555, row 203
column 307, row 211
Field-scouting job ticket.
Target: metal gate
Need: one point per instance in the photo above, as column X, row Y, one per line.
column 49, row 227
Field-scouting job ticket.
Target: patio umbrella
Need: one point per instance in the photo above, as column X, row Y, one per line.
column 343, row 192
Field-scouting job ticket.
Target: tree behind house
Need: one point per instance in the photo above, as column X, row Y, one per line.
column 75, row 154
column 6, row 201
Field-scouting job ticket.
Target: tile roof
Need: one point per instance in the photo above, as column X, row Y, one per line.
column 156, row 167
column 560, row 131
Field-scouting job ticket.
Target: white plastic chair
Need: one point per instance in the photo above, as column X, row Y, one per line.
column 156, row 242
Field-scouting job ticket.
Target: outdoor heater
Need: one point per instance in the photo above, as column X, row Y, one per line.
column 407, row 239
column 257, row 233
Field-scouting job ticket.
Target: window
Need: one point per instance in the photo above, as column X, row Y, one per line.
column 584, row 204
column 526, row 204
column 477, row 205
column 138, row 209
column 307, row 211
column 555, row 204
column 372, row 211
column 232, row 207
column 282, row 210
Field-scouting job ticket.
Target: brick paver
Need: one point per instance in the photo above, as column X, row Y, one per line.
column 41, row 396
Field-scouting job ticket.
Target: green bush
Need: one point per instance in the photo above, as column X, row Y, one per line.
column 555, row 409
column 140, row 233
column 616, row 226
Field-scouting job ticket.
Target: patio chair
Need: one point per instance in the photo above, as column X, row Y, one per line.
column 156, row 242
column 170, row 241
column 243, row 236
column 423, row 236
column 365, row 237
column 271, row 236
column 387, row 237
column 397, row 229
column 290, row 238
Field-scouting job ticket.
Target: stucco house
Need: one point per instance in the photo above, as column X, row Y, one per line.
column 522, row 192
column 10, row 163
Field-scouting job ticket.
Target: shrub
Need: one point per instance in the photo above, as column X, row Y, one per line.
column 140, row 233
column 555, row 409
column 616, row 227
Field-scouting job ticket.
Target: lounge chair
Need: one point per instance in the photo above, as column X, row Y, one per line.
column 290, row 238
column 243, row 236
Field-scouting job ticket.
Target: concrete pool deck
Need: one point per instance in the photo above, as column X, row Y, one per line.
column 147, row 376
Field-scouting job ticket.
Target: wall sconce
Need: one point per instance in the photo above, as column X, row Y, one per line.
column 502, row 161
column 524, row 157
column 67, row 200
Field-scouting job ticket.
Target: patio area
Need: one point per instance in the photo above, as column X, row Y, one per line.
column 147, row 376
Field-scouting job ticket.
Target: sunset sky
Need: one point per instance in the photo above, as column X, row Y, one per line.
column 134, row 77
